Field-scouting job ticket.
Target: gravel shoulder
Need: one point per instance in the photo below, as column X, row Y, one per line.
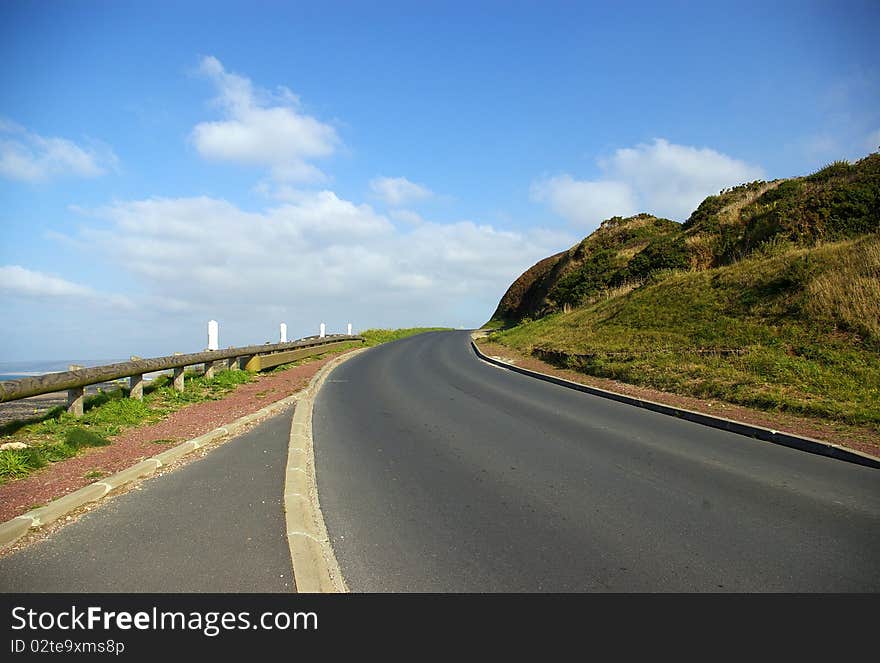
column 136, row 444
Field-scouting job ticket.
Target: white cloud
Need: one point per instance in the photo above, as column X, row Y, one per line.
column 872, row 142
column 661, row 178
column 310, row 257
column 262, row 129
column 585, row 203
column 18, row 281
column 407, row 216
column 30, row 157
column 398, row 191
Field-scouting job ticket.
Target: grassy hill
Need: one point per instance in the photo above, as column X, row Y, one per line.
column 840, row 201
column 767, row 296
column 618, row 252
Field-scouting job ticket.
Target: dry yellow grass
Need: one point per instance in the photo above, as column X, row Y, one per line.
column 621, row 290
column 850, row 292
column 700, row 250
column 731, row 213
column 630, row 251
column 628, row 225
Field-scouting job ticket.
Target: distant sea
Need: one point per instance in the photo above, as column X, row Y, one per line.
column 15, row 370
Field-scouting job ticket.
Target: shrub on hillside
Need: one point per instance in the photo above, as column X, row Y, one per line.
column 593, row 275
column 664, row 253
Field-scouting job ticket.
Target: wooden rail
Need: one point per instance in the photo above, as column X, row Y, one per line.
column 74, row 382
column 262, row 362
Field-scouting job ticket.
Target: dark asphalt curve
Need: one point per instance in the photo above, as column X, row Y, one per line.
column 438, row 472
column 214, row 525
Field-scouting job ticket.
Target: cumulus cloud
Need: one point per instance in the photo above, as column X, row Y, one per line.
column 397, row 191
column 30, row 157
column 262, row 128
column 872, row 142
column 18, row 281
column 585, row 203
column 406, row 216
column 661, row 178
column 313, row 255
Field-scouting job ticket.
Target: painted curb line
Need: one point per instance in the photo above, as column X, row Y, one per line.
column 315, row 569
column 14, row 529
column 765, row 434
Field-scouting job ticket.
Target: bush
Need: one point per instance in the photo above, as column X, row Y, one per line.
column 706, row 210
column 595, row 274
column 833, row 169
column 665, row 253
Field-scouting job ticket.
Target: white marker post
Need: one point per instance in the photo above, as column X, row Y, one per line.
column 283, row 333
column 213, row 344
column 323, row 330
column 213, row 335
column 349, row 329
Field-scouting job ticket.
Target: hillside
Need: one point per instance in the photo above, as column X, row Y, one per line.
column 767, row 296
column 841, row 201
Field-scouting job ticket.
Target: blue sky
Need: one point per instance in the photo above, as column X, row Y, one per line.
column 396, row 164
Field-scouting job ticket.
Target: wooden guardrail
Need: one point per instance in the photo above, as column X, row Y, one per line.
column 75, row 381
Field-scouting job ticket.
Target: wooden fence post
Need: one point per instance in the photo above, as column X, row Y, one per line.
column 75, row 399
column 136, row 387
column 178, row 378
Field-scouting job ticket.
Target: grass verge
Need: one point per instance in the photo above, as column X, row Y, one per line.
column 57, row 435
column 775, row 334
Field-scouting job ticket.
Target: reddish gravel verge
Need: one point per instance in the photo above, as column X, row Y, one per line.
column 864, row 439
column 137, row 444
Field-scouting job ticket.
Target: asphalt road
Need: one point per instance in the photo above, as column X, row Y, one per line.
column 439, row 472
column 213, row 525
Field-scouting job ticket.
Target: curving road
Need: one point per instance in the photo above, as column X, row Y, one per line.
column 439, row 472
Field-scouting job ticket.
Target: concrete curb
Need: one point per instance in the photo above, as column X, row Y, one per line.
column 776, row 437
column 14, row 529
column 315, row 569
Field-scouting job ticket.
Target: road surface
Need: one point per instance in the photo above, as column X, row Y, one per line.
column 439, row 472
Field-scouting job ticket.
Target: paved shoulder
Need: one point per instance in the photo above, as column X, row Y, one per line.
column 215, row 525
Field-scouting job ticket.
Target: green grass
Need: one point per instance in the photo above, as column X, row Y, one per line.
column 378, row 336
column 494, row 323
column 15, row 463
column 305, row 360
column 760, row 219
column 58, row 435
column 752, row 333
